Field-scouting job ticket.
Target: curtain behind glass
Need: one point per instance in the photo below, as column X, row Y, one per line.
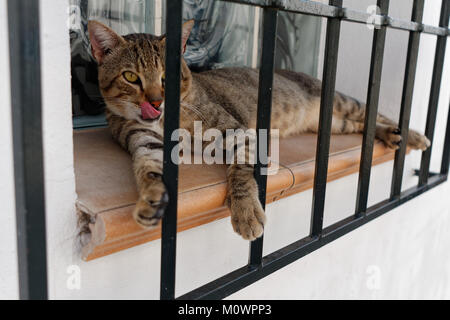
column 298, row 41
column 222, row 35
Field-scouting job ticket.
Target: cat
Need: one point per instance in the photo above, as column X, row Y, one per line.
column 132, row 82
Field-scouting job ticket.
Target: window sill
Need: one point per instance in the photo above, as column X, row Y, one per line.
column 107, row 193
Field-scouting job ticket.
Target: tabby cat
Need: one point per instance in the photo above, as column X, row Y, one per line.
column 131, row 79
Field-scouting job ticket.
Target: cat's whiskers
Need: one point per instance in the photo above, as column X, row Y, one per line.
column 195, row 110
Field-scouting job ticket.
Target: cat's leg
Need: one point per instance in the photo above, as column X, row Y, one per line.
column 391, row 136
column 387, row 130
column 146, row 146
column 418, row 141
column 346, row 126
column 153, row 196
column 388, row 133
column 247, row 215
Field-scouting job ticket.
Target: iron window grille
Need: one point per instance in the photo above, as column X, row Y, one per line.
column 23, row 20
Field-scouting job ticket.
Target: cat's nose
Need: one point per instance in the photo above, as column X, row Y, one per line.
column 157, row 103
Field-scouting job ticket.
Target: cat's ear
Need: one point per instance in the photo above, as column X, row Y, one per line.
column 185, row 33
column 103, row 40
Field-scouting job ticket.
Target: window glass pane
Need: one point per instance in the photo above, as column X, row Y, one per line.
column 222, row 35
column 225, row 34
column 123, row 16
column 298, row 41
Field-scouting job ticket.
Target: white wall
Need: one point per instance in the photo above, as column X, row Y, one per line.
column 401, row 255
column 407, row 246
column 62, row 250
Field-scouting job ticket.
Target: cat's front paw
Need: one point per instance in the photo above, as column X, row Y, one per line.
column 247, row 217
column 151, row 205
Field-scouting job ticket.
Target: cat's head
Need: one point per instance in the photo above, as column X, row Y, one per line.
column 131, row 71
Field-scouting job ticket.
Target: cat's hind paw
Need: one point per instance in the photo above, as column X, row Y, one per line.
column 418, row 141
column 390, row 135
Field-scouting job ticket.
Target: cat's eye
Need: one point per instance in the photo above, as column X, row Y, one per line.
column 131, row 77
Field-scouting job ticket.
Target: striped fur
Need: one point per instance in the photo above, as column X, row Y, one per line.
column 222, row 99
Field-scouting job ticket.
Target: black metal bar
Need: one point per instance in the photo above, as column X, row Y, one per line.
column 326, row 114
column 438, row 69
column 171, row 123
column 329, row 11
column 408, row 87
column 259, row 3
column 241, row 278
column 323, row 10
column 370, row 122
column 446, row 153
column 25, row 62
column 308, row 7
column 264, row 113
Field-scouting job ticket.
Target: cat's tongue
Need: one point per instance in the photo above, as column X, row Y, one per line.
column 149, row 112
